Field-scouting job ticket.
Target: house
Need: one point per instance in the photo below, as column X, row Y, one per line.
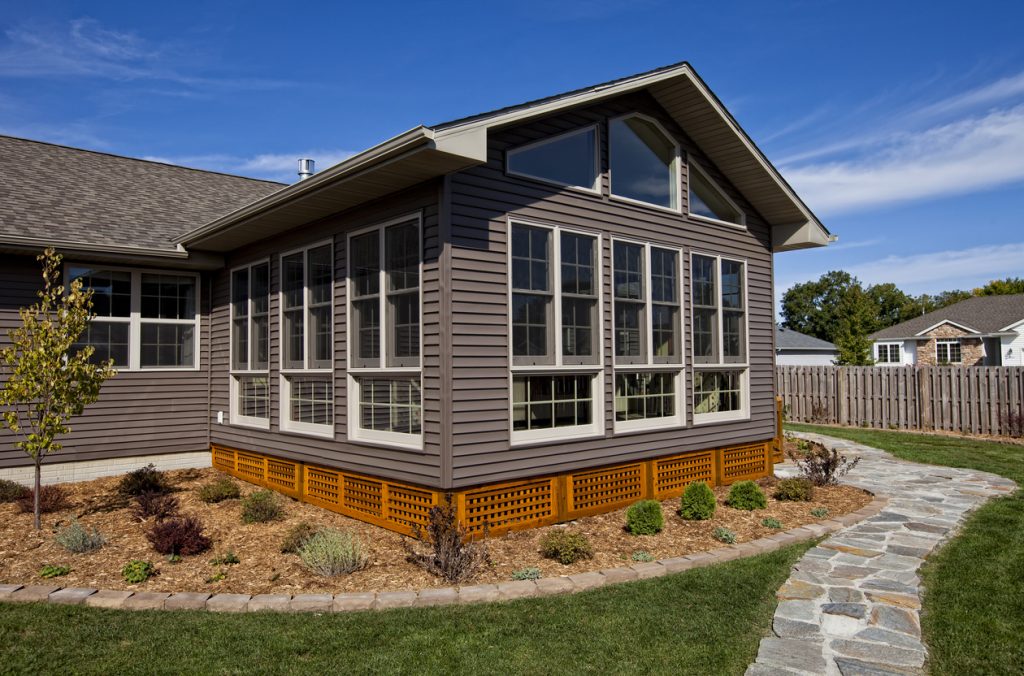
column 793, row 348
column 540, row 312
column 979, row 331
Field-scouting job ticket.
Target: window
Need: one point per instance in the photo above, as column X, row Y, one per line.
column 384, row 333
column 947, row 351
column 144, row 320
column 647, row 334
column 643, row 162
column 888, row 353
column 546, row 402
column 718, row 302
column 307, row 343
column 709, row 201
column 250, row 345
column 567, row 159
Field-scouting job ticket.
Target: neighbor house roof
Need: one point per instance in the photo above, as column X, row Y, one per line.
column 979, row 314
column 788, row 339
column 56, row 195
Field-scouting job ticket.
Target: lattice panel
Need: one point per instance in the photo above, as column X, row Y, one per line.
column 408, row 506
column 323, row 487
column 672, row 475
column 363, row 495
column 250, row 467
column 744, row 462
column 600, row 490
column 223, row 459
column 777, row 455
column 503, row 507
column 284, row 476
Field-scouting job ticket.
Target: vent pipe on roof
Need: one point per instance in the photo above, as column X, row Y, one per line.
column 306, row 168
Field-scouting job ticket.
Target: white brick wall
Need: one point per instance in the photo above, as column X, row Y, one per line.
column 55, row 473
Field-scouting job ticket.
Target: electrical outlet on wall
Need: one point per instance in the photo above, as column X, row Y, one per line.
column 220, row 417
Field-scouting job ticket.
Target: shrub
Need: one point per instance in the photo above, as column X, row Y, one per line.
column 771, row 522
column 136, row 571
column 819, row 512
column 78, row 540
column 160, row 505
column 821, row 466
column 333, row 552
column 698, row 502
column 11, row 491
column 181, row 535
column 51, row 499
column 566, row 546
column 642, row 557
column 724, row 535
column 645, row 518
column 228, row 559
column 143, row 480
column 49, row 571
column 445, row 548
column 261, row 507
column 219, row 490
column 527, row 574
column 746, row 495
column 796, row 489
column 296, row 537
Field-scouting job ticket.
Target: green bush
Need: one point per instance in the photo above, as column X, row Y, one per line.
column 724, row 535
column 10, row 491
column 698, row 502
column 796, row 490
column 527, row 574
column 260, row 507
column 78, row 540
column 746, row 495
column 219, row 490
column 819, row 512
column 136, row 571
column 49, row 571
column 771, row 522
column 143, row 480
column 333, row 552
column 566, row 546
column 642, row 557
column 645, row 518
column 297, row 536
column 228, row 559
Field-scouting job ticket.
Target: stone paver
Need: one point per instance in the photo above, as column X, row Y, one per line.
column 311, row 603
column 852, row 604
column 72, row 596
column 441, row 596
column 280, row 603
column 187, row 601
column 395, row 599
column 33, row 592
column 108, row 598
column 146, row 601
column 354, row 601
column 228, row 603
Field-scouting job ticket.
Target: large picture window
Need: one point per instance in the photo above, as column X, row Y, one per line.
column 307, row 343
column 250, row 345
column 643, row 162
column 145, row 320
column 384, row 333
column 568, row 159
column 718, row 301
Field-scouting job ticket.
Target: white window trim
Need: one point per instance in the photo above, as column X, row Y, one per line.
column 743, row 367
column 136, row 320
column 354, row 431
column 693, row 164
column 594, row 190
column 887, row 345
column 676, row 166
column 949, row 341
column 234, row 417
column 596, row 370
column 649, row 365
column 284, row 400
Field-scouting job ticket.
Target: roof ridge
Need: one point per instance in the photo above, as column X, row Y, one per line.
column 140, row 159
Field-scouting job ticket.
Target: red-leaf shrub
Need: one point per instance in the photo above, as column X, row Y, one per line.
column 182, row 535
column 51, row 499
column 160, row 505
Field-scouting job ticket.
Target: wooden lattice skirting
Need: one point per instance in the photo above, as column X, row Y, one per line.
column 499, row 508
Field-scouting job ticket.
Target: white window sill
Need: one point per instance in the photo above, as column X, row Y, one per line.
column 544, row 437
column 628, row 200
column 308, row 430
column 648, row 425
column 712, row 418
column 717, row 221
column 405, row 442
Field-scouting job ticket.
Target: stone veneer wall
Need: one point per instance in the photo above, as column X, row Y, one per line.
column 972, row 352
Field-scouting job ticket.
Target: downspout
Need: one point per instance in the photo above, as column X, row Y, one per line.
column 209, row 362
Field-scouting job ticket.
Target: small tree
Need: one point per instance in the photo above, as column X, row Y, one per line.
column 47, row 383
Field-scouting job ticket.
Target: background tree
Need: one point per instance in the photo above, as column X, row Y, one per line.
column 1001, row 287
column 892, row 305
column 47, row 383
column 813, row 307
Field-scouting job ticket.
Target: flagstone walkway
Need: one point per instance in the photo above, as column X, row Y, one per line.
column 852, row 604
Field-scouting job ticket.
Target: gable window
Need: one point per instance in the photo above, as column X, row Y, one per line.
column 718, row 302
column 307, row 344
column 384, row 333
column 643, row 162
column 647, row 334
column 144, row 320
column 554, row 315
column 250, row 345
column 569, row 159
column 948, row 351
column 888, row 353
column 709, row 201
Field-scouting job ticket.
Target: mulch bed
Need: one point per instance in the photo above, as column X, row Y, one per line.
column 263, row 569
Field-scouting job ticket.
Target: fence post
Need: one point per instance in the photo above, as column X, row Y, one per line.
column 843, row 413
column 924, row 400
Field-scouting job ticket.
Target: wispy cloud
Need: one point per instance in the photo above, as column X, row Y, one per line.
column 945, row 269
column 272, row 166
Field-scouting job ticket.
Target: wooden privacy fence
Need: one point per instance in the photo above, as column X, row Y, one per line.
column 968, row 399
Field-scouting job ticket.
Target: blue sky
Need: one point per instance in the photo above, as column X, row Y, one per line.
column 901, row 123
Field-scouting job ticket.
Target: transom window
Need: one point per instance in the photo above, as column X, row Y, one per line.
column 948, row 351
column 643, row 162
column 708, row 200
column 718, row 295
column 250, row 345
column 384, row 333
column 144, row 320
column 888, row 353
column 569, row 159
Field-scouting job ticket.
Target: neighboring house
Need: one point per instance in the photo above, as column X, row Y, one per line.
column 544, row 311
column 979, row 331
column 793, row 348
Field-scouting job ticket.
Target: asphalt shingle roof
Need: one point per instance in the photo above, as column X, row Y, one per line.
column 90, row 197
column 984, row 314
column 794, row 340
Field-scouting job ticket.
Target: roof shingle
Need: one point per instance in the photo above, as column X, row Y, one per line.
column 984, row 314
column 794, row 340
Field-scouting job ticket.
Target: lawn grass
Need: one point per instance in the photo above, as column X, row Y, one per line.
column 973, row 617
column 703, row 621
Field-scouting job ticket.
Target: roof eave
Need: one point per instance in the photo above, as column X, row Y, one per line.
column 176, row 257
